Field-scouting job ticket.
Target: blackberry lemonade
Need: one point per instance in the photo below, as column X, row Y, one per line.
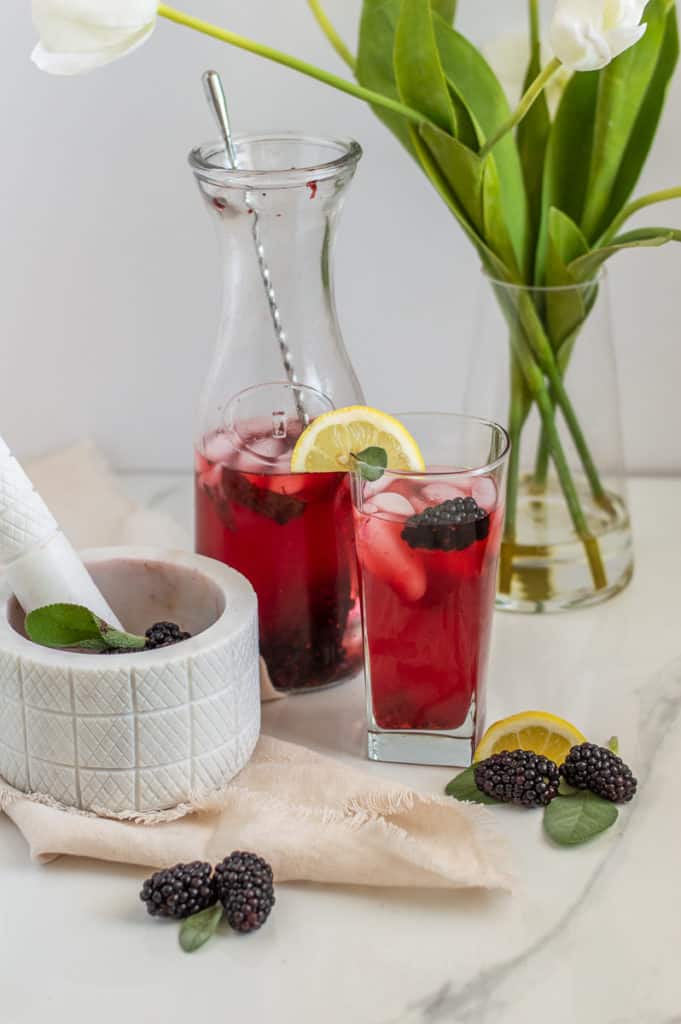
column 291, row 535
column 428, row 546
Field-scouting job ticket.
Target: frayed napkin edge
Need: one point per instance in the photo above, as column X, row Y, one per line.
column 370, row 813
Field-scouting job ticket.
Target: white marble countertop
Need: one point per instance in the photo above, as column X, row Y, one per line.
column 592, row 934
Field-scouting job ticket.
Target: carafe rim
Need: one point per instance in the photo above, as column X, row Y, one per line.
column 208, row 163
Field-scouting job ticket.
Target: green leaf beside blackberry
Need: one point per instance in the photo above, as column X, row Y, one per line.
column 578, row 798
column 199, row 928
column 573, row 821
column 240, row 888
column 463, row 787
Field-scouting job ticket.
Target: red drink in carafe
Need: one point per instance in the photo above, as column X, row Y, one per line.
column 291, row 535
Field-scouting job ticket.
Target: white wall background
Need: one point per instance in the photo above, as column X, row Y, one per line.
column 108, row 270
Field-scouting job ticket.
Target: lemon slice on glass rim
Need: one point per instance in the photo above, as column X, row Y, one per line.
column 538, row 731
column 328, row 444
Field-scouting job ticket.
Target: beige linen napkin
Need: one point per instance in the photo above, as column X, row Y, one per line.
column 311, row 817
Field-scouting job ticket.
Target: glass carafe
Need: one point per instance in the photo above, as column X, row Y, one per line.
column 279, row 362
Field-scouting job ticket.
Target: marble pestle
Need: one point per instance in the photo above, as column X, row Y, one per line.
column 36, row 558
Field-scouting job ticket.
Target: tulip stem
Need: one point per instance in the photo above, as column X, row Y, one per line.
column 376, row 99
column 663, row 196
column 535, row 31
column 533, row 92
column 331, row 34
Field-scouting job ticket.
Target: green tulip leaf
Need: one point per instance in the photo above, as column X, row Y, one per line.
column 532, row 138
column 566, row 308
column 567, row 160
column 496, row 229
column 587, row 266
column 445, row 8
column 645, row 127
column 622, row 90
column 418, row 72
column 375, row 51
column 473, row 81
column 375, row 61
column 462, row 169
column 490, row 261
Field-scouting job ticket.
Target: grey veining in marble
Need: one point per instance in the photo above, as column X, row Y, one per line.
column 489, row 996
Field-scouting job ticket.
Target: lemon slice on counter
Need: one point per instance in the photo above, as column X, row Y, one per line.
column 327, row 445
column 538, row 731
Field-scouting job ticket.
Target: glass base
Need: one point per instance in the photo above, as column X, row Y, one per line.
column 428, row 748
column 546, row 569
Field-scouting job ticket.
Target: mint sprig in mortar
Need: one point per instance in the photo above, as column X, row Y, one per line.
column 74, row 627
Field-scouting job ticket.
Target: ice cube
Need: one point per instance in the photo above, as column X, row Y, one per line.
column 268, row 448
column 383, row 553
column 211, row 478
column 442, row 490
column 393, row 503
column 372, row 487
column 220, row 447
column 484, row 490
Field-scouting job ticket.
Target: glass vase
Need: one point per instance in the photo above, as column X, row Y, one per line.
column 279, row 362
column 543, row 364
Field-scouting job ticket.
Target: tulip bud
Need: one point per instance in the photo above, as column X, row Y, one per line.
column 80, row 35
column 587, row 34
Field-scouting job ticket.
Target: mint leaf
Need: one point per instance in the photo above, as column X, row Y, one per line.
column 614, row 745
column 463, row 787
column 199, row 928
column 121, row 641
column 64, row 625
column 577, row 820
column 371, row 463
column 565, row 789
column 73, row 626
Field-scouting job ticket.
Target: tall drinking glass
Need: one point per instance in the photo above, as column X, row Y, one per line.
column 427, row 547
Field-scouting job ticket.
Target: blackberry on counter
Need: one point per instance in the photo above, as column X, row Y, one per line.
column 589, row 766
column 180, row 891
column 244, row 886
column 164, row 634
column 453, row 525
column 518, row 777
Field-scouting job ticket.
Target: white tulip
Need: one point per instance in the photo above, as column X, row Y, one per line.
column 80, row 35
column 587, row 34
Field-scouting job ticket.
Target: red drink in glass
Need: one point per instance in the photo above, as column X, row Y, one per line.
column 428, row 613
column 427, row 547
column 291, row 535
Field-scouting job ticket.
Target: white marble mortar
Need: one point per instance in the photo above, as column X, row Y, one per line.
column 129, row 734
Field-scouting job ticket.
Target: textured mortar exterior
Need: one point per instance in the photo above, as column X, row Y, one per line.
column 134, row 733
